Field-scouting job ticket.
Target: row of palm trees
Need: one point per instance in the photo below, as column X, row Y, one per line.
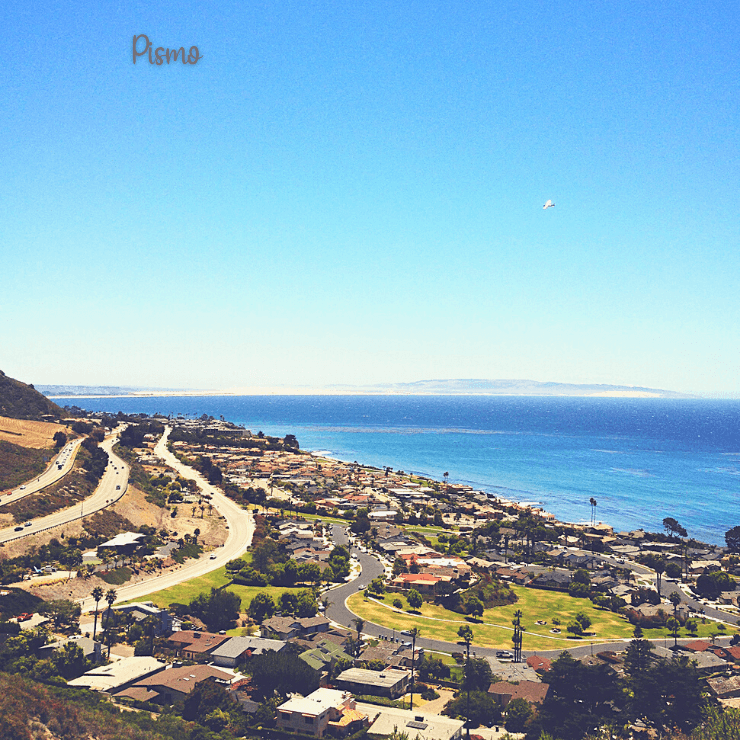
column 110, row 597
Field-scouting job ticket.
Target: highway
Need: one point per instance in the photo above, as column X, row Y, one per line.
column 112, row 486
column 240, row 523
column 51, row 475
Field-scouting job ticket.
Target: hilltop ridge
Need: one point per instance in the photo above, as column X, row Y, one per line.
column 22, row 401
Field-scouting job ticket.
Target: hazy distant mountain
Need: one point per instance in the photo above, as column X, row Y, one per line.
column 95, row 390
column 509, row 388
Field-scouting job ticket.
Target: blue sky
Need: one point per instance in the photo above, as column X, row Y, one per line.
column 352, row 193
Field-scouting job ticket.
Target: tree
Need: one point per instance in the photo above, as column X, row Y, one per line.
column 477, row 674
column 415, row 600
column 110, row 598
column 518, row 712
column 60, row 439
column 584, row 620
column 475, row 607
column 219, row 609
column 70, row 661
column 659, row 567
column 478, row 708
column 63, row 613
column 675, row 599
column 674, row 626
column 673, row 528
column 261, row 606
column 282, row 672
column 732, row 539
column 97, row 594
column 359, row 623
column 592, row 501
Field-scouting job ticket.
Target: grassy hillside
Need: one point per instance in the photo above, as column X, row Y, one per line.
column 21, row 401
column 20, row 464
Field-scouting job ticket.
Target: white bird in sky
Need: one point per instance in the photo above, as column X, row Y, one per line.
column 549, row 204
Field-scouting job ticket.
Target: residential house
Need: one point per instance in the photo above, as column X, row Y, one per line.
column 321, row 712
column 285, row 628
column 234, row 651
column 390, row 682
column 194, row 645
column 118, row 675
column 143, row 610
column 415, row 723
column 91, row 649
column 324, row 655
column 531, row 691
column 725, row 688
column 175, row 684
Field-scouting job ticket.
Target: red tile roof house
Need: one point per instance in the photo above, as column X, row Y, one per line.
column 541, row 665
column 424, row 583
column 195, row 645
column 698, row 646
column 531, row 691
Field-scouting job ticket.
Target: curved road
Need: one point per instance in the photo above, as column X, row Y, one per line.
column 51, row 475
column 240, row 523
column 112, row 486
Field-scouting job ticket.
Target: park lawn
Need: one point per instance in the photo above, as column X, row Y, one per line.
column 184, row 593
column 495, row 628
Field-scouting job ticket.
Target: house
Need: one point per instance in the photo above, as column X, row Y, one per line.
column 531, row 691
column 194, row 645
column 90, row 648
column 175, row 684
column 145, row 609
column 234, row 651
column 541, row 665
column 424, row 583
column 557, row 580
column 118, row 676
column 321, row 711
column 390, row 682
column 725, row 688
column 415, row 723
column 324, row 655
column 285, row 628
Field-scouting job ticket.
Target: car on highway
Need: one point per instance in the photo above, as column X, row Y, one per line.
column 118, row 488
column 213, row 557
column 504, row 655
column 23, row 488
column 19, row 529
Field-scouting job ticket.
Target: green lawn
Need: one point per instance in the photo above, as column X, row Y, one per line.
column 184, row 593
column 494, row 630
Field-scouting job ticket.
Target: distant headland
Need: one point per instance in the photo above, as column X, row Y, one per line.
column 458, row 387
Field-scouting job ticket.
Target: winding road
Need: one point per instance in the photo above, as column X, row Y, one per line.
column 112, row 486
column 240, row 523
column 52, row 474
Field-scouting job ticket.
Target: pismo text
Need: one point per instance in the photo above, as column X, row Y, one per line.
column 142, row 46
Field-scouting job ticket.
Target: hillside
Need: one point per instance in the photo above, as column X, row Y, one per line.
column 21, row 401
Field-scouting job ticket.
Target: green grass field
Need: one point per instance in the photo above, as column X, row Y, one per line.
column 494, row 630
column 184, row 593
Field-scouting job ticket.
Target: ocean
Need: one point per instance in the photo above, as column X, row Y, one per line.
column 641, row 459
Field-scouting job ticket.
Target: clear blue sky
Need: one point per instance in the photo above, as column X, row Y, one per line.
column 351, row 192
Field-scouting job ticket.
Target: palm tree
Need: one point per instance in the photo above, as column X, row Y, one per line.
column 592, row 501
column 466, row 633
column 110, row 598
column 359, row 623
column 414, row 634
column 446, row 476
column 97, row 594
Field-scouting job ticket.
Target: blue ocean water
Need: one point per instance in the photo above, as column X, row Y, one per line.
column 641, row 459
